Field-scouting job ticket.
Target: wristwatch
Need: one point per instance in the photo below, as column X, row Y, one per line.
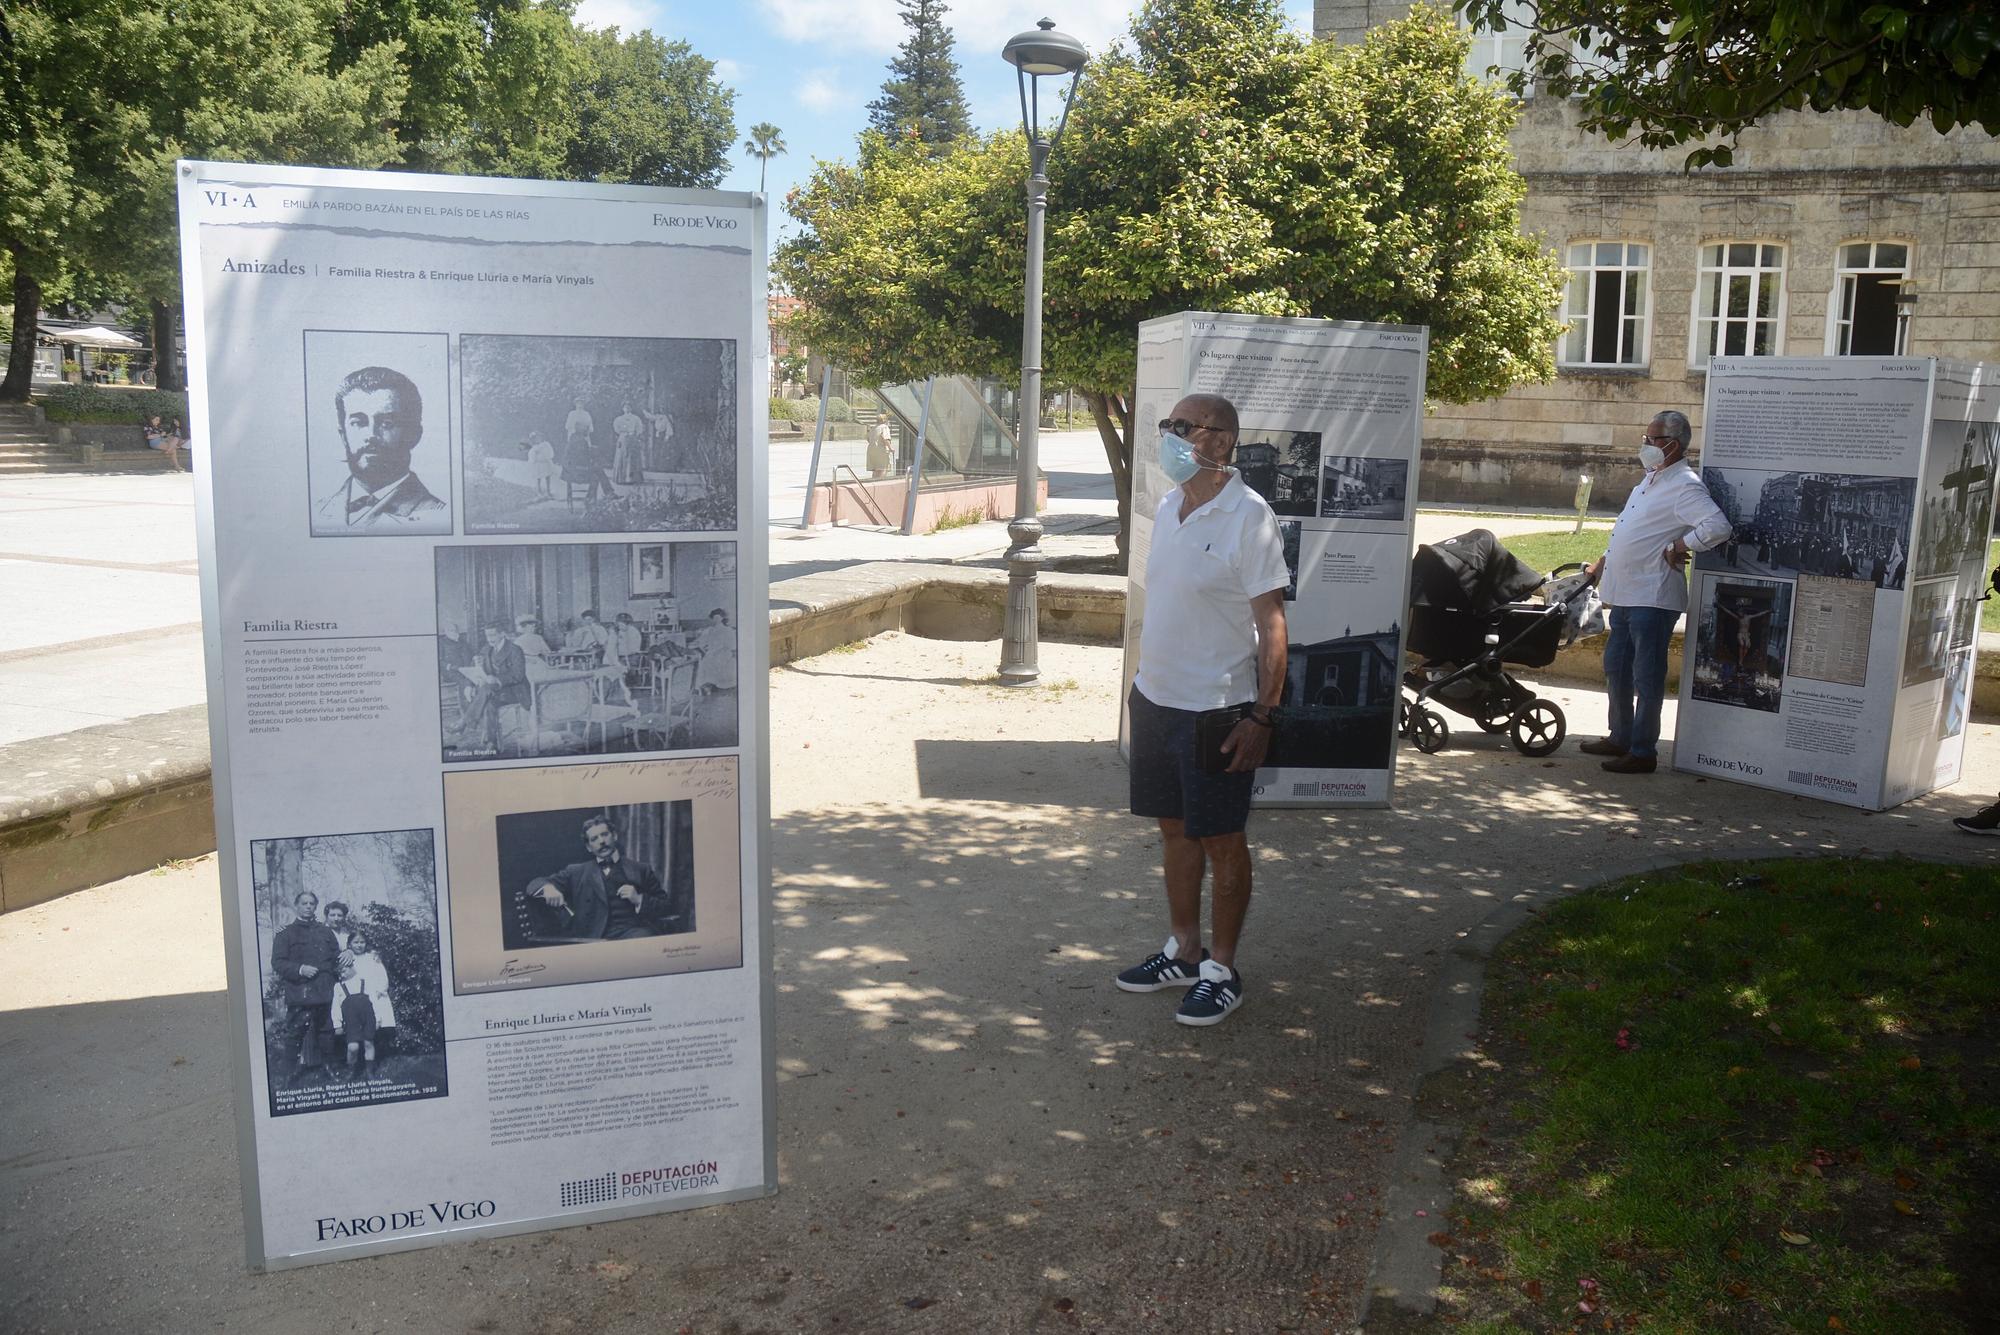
column 1269, row 718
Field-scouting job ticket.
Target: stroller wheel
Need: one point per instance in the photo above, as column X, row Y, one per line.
column 1428, row 731
column 1538, row 727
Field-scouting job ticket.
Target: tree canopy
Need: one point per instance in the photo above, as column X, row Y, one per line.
column 1678, row 72
column 922, row 99
column 648, row 111
column 98, row 99
column 1220, row 164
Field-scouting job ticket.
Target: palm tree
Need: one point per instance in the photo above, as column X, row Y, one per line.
column 766, row 141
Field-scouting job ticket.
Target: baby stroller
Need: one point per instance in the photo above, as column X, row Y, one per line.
column 1468, row 621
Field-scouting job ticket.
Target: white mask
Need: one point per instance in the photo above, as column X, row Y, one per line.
column 1652, row 457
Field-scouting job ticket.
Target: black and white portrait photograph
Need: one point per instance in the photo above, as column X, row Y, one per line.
column 1351, row 487
column 1957, row 518
column 586, row 649
column 585, row 875
column 1928, row 643
column 590, row 873
column 598, row 435
column 1339, row 706
column 1290, row 533
column 347, row 932
column 1743, row 632
column 1282, row 467
column 1840, row 525
column 378, row 433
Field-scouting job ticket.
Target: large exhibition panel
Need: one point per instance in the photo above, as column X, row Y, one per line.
column 480, row 522
column 1331, row 414
column 1830, row 644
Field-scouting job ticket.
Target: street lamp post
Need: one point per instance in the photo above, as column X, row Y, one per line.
column 1043, row 53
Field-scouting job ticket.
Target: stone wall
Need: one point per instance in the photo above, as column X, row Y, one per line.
column 1808, row 181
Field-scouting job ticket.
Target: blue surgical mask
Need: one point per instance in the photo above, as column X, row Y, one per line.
column 1179, row 461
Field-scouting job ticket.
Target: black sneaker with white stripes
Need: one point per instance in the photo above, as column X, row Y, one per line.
column 1165, row 969
column 1217, row 992
column 1984, row 822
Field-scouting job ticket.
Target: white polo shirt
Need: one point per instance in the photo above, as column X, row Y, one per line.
column 1669, row 504
column 1198, row 646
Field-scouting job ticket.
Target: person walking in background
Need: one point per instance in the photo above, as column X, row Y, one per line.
column 1642, row 580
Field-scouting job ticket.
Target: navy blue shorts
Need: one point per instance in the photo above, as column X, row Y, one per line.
column 1168, row 781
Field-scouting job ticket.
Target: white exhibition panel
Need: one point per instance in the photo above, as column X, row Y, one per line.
column 1831, row 644
column 437, row 421
column 1331, row 416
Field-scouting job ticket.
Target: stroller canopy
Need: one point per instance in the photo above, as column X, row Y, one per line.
column 1471, row 572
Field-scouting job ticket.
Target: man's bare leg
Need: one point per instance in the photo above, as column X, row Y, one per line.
column 1184, row 862
column 1229, row 856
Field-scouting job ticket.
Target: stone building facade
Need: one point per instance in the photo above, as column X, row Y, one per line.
column 1801, row 248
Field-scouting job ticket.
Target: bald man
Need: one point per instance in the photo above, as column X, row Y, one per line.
column 1213, row 639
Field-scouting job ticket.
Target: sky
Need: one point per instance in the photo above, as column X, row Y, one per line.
column 811, row 67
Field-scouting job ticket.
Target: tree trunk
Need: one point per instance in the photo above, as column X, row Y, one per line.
column 1112, row 414
column 20, row 379
column 166, row 351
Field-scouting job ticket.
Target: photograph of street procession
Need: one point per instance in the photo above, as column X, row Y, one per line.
column 598, row 435
column 1842, row 525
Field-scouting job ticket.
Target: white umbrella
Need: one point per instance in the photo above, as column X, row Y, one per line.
column 94, row 336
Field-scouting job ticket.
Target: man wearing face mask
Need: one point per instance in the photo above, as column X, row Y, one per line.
column 381, row 418
column 1213, row 638
column 1641, row 579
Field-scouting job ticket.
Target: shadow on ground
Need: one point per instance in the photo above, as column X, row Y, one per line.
column 977, row 1130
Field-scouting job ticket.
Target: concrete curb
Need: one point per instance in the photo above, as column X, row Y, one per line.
column 86, row 807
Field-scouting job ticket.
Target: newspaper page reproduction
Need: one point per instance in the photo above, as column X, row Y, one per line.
column 1331, row 421
column 483, row 585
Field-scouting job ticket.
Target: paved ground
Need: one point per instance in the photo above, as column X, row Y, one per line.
column 977, row 1132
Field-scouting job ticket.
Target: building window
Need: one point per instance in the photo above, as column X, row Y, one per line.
column 1739, row 302
column 1606, row 304
column 1864, row 298
column 1495, row 55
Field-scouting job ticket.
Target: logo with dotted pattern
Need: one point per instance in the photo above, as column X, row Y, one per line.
column 591, row 1190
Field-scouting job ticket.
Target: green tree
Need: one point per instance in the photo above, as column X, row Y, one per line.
column 648, row 111
column 53, row 163
column 1684, row 71
column 272, row 97
column 1221, row 164
column 490, row 82
column 922, row 99
column 766, row 141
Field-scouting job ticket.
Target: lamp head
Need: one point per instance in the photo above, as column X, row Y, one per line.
column 1045, row 51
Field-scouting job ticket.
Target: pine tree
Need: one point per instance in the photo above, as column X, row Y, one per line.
column 922, row 98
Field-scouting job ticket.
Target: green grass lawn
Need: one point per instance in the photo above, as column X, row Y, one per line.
column 1737, row 1096
column 1546, row 551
